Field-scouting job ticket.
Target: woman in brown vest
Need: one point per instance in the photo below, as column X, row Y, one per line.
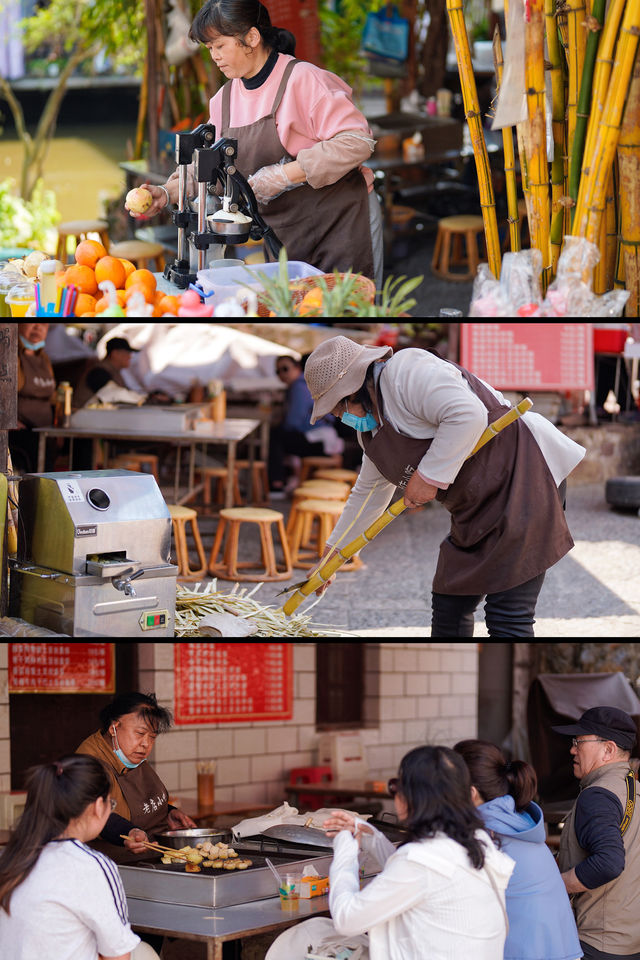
column 36, row 396
column 128, row 731
column 418, row 418
column 302, row 142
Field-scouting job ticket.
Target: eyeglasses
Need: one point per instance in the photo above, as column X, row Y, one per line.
column 576, row 743
column 393, row 787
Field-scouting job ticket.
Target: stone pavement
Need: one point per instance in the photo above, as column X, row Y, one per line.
column 593, row 592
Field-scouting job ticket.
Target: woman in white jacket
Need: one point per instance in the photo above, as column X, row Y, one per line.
column 441, row 895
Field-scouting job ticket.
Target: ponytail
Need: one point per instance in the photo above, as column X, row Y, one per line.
column 57, row 793
column 234, row 18
column 493, row 776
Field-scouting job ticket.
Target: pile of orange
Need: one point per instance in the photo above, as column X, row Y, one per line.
column 93, row 265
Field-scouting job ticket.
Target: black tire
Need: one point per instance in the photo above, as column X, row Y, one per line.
column 624, row 492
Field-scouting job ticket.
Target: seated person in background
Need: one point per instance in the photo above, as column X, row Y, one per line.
column 36, row 397
column 97, row 376
column 541, row 922
column 295, row 435
column 58, row 898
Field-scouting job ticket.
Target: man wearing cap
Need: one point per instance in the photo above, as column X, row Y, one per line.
column 599, row 853
column 418, row 418
column 117, row 359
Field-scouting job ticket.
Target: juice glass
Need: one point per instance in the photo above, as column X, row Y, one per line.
column 290, row 891
column 8, row 278
column 20, row 297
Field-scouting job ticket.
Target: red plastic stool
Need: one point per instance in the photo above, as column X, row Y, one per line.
column 310, row 775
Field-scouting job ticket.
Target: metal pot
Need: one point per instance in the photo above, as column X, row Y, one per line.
column 192, row 837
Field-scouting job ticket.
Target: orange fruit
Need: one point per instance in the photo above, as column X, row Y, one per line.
column 128, row 266
column 142, row 288
column 88, row 252
column 311, row 302
column 81, row 277
column 85, row 303
column 110, row 268
column 142, row 276
column 169, row 304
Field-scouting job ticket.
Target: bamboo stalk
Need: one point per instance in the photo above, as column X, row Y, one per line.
column 557, row 77
column 576, row 12
column 594, row 26
column 455, row 10
column 629, row 193
column 591, row 196
column 509, row 154
column 539, row 220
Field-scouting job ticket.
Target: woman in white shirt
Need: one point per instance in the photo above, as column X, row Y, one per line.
column 59, row 898
column 441, row 895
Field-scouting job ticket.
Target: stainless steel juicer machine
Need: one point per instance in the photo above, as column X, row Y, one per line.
column 93, row 555
column 231, row 217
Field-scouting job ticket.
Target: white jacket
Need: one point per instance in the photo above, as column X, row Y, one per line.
column 428, row 903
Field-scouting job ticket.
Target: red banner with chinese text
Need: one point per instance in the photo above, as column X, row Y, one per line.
column 62, row 668
column 233, row 682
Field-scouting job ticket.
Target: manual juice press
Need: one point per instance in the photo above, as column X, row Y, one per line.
column 231, row 218
column 93, row 555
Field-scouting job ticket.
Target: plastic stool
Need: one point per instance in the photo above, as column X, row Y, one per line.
column 135, row 461
column 260, row 479
column 221, row 477
column 230, row 567
column 448, row 248
column 180, row 516
column 300, row 775
column 314, row 463
column 339, row 476
column 80, row 229
column 140, row 252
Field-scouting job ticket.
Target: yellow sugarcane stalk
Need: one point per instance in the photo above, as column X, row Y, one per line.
column 556, row 74
column 602, row 71
column 629, row 193
column 455, row 9
column 327, row 569
column 509, row 154
column 593, row 186
column 577, row 40
column 539, row 220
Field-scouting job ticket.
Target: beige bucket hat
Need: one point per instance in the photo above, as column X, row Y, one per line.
column 336, row 369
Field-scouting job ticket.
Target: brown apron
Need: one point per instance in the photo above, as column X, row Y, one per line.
column 327, row 227
column 507, row 521
column 34, row 397
column 147, row 799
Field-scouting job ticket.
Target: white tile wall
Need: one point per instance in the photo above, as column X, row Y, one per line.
column 5, row 752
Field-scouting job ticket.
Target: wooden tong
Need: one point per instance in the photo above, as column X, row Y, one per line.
column 158, row 848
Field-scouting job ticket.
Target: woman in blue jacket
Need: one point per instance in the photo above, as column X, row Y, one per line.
column 542, row 926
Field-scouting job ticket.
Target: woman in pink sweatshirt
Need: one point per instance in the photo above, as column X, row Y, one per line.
column 301, row 141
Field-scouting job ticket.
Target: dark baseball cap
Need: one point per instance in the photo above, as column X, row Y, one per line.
column 119, row 343
column 610, row 723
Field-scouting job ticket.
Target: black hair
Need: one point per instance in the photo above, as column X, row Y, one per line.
column 296, row 363
column 363, row 394
column 143, row 704
column 493, row 776
column 436, row 786
column 234, row 18
column 57, row 793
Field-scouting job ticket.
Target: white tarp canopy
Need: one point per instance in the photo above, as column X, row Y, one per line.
column 173, row 356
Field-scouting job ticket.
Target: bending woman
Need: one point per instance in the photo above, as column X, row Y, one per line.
column 541, row 922
column 301, row 141
column 59, row 898
column 441, row 894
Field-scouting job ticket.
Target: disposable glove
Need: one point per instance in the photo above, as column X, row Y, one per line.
column 270, row 182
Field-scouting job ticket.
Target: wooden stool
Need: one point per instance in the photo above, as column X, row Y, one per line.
column 221, row 477
column 135, row 461
column 322, row 490
column 338, row 476
column 80, row 229
column 180, row 516
column 230, row 567
column 316, row 463
column 140, row 252
column 525, row 239
column 448, row 248
column 260, row 479
column 327, row 512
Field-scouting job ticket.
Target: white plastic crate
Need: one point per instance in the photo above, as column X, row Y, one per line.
column 224, row 282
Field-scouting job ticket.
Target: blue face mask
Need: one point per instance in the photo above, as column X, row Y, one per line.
column 120, row 755
column 361, row 424
column 32, row 346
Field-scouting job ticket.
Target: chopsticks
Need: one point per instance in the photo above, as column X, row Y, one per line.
column 158, row 848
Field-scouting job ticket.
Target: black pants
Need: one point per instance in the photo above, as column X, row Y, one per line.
column 286, row 443
column 590, row 953
column 509, row 613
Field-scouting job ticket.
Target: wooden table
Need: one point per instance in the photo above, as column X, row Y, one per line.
column 228, row 433
column 344, row 790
